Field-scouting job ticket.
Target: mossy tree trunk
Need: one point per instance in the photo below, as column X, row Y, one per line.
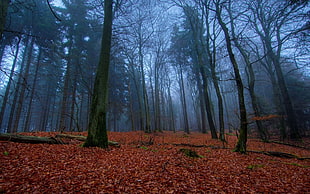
column 242, row 140
column 97, row 129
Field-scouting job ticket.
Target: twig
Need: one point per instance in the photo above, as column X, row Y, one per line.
column 49, row 5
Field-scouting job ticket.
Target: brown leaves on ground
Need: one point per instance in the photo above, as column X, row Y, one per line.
column 137, row 167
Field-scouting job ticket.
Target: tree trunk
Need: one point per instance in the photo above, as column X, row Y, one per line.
column 28, row 116
column 65, row 95
column 16, row 94
column 97, row 130
column 197, row 34
column 242, row 140
column 251, row 79
column 208, row 103
column 218, row 91
column 171, row 112
column 8, row 87
column 24, row 86
column 291, row 117
column 147, row 126
column 183, row 102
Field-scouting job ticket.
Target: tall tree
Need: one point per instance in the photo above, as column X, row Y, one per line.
column 8, row 87
column 97, row 131
column 270, row 19
column 242, row 140
column 250, row 72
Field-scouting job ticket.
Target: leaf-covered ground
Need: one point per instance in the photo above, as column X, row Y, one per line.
column 136, row 167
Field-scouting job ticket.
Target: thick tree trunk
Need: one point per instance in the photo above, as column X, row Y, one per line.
column 97, row 131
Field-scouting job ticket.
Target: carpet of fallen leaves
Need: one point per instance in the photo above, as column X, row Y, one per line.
column 136, row 167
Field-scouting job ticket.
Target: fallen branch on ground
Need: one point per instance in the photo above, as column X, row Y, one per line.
column 288, row 144
column 29, row 139
column 47, row 140
column 278, row 154
column 82, row 138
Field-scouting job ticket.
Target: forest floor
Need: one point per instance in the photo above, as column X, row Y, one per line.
column 137, row 167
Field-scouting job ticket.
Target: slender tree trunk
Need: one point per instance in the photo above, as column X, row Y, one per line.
column 131, row 113
column 171, row 111
column 65, row 95
column 291, row 117
column 277, row 99
column 183, row 100
column 242, row 140
column 197, row 33
column 217, row 90
column 147, row 127
column 8, row 87
column 46, row 109
column 251, row 79
column 262, row 132
column 28, row 116
column 16, row 94
column 157, row 101
column 201, row 100
column 208, row 104
column 97, row 131
column 73, row 105
column 139, row 95
column 23, row 89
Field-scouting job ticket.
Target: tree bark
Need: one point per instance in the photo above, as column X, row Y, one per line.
column 64, row 103
column 97, row 131
column 28, row 116
column 251, row 79
column 16, row 94
column 242, row 140
column 8, row 87
column 24, row 83
column 183, row 101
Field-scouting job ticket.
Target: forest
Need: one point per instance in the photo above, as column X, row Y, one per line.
column 169, row 87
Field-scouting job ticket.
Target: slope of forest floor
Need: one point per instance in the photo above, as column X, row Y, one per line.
column 137, row 167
